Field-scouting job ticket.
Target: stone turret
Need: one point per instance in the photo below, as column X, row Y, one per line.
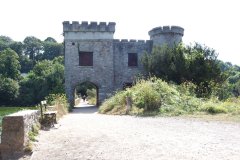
column 86, row 30
column 168, row 35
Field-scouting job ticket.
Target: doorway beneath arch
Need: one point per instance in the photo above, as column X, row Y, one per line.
column 86, row 93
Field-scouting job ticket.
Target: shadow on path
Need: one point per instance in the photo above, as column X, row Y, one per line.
column 84, row 108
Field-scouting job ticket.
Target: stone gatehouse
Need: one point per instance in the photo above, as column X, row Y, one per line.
column 93, row 55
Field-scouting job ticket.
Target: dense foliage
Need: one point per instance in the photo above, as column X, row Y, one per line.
column 9, row 64
column 9, row 76
column 197, row 64
column 43, row 63
column 32, row 50
column 158, row 97
column 47, row 77
column 9, row 90
column 193, row 81
column 60, row 103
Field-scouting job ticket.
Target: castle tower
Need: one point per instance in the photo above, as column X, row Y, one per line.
column 88, row 57
column 166, row 35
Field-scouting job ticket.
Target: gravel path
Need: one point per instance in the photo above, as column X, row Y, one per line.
column 85, row 135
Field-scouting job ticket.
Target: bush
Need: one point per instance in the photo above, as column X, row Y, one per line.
column 213, row 106
column 92, row 96
column 9, row 90
column 60, row 102
column 154, row 96
column 47, row 77
column 216, row 109
column 232, row 105
column 145, row 95
column 118, row 100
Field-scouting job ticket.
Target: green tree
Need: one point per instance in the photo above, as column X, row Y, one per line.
column 9, row 64
column 47, row 77
column 236, row 88
column 50, row 39
column 3, row 45
column 32, row 47
column 52, row 50
column 17, row 47
column 9, row 90
column 59, row 59
column 166, row 63
column 26, row 64
column 196, row 63
column 5, row 42
column 203, row 64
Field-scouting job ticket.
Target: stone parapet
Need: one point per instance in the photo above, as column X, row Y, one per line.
column 166, row 29
column 15, row 129
column 131, row 41
column 75, row 26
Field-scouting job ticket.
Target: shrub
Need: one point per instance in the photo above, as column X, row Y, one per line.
column 29, row 147
column 213, row 106
column 9, row 90
column 232, row 105
column 216, row 109
column 117, row 100
column 147, row 96
column 92, row 97
column 154, row 96
column 60, row 102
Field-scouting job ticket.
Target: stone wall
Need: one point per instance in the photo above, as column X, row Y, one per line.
column 15, row 129
column 100, row 74
column 122, row 72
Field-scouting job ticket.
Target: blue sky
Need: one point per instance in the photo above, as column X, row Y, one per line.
column 210, row 22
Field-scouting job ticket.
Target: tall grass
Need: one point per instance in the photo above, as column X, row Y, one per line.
column 154, row 96
column 59, row 101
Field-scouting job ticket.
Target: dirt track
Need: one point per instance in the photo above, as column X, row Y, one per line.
column 85, row 135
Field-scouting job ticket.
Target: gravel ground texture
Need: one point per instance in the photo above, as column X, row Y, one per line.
column 86, row 135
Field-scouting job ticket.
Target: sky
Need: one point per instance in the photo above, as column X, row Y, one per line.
column 215, row 23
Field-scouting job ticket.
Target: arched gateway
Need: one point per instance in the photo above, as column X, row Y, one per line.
column 93, row 55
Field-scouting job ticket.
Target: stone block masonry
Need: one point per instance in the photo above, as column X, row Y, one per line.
column 15, row 129
column 110, row 69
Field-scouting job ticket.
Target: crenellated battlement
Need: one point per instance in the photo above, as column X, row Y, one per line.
column 165, row 30
column 132, row 41
column 84, row 26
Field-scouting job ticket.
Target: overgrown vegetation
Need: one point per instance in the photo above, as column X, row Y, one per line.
column 43, row 62
column 196, row 82
column 197, row 64
column 34, row 132
column 92, row 96
column 47, row 77
column 155, row 96
column 60, row 103
column 32, row 137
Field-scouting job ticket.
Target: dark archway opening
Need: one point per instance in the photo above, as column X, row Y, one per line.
column 127, row 85
column 86, row 93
